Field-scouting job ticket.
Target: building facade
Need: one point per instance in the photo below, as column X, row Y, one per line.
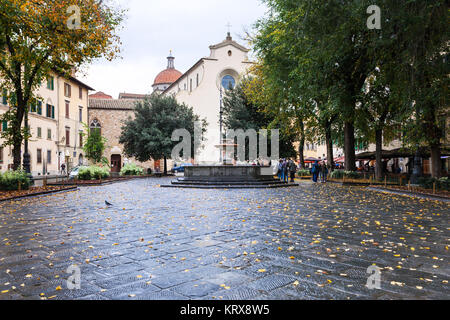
column 55, row 122
column 202, row 86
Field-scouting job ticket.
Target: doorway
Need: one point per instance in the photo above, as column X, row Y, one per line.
column 116, row 163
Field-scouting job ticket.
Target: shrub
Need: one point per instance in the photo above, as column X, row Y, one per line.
column 339, row 174
column 303, row 173
column 131, row 169
column 428, row 182
column 444, row 183
column 9, row 181
column 93, row 173
column 352, row 175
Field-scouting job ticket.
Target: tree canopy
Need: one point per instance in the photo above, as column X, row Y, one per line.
column 352, row 84
column 43, row 37
column 149, row 134
column 241, row 113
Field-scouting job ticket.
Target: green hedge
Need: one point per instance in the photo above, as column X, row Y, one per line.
column 131, row 169
column 9, row 181
column 303, row 173
column 93, row 173
column 339, row 174
column 441, row 184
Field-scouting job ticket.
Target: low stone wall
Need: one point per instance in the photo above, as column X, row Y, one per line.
column 228, row 172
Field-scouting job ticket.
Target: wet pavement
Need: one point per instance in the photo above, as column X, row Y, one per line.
column 307, row 242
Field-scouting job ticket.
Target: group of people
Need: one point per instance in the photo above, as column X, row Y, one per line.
column 319, row 172
column 287, row 168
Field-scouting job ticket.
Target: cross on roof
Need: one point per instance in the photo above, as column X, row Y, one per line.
column 229, row 27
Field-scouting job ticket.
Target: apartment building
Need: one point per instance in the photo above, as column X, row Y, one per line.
column 55, row 121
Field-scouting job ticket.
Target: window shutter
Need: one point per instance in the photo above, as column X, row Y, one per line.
column 53, row 112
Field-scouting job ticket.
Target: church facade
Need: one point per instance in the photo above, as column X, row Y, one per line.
column 202, row 86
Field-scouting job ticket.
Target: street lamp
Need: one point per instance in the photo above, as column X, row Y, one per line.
column 417, row 168
column 26, row 154
column 221, row 122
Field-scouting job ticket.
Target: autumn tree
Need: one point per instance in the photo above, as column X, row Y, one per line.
column 240, row 112
column 149, row 134
column 269, row 91
column 42, row 37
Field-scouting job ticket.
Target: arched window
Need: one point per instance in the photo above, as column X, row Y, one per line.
column 95, row 125
column 228, row 82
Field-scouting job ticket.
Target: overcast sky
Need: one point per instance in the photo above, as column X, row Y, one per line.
column 154, row 27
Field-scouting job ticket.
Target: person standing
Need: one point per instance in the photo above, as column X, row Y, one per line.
column 320, row 171
column 324, row 173
column 63, row 169
column 315, row 171
column 285, row 171
column 280, row 169
column 292, row 169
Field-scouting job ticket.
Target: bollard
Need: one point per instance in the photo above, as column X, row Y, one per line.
column 385, row 181
column 401, row 181
column 19, row 186
column 434, row 188
column 45, row 183
column 409, row 185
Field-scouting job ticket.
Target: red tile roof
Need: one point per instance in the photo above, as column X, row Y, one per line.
column 167, row 76
column 100, row 95
column 125, row 95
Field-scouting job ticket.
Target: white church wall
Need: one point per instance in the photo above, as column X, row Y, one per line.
column 205, row 99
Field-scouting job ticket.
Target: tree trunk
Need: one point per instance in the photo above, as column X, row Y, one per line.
column 165, row 165
column 349, row 141
column 16, row 127
column 436, row 162
column 301, row 148
column 329, row 142
column 17, row 155
column 379, row 148
column 17, row 143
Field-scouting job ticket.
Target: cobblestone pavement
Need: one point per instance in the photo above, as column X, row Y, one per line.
column 310, row 242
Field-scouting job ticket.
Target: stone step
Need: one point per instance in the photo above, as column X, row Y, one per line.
column 227, row 183
column 264, row 186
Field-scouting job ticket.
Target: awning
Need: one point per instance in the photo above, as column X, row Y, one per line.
column 311, row 160
column 339, row 160
column 401, row 153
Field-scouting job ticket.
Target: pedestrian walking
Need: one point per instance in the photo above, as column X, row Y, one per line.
column 315, row 171
column 280, row 169
column 292, row 169
column 324, row 173
column 320, row 171
column 63, row 169
column 285, row 171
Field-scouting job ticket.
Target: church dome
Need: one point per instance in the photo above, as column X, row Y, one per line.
column 165, row 78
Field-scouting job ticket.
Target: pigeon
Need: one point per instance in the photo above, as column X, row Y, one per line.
column 108, row 204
